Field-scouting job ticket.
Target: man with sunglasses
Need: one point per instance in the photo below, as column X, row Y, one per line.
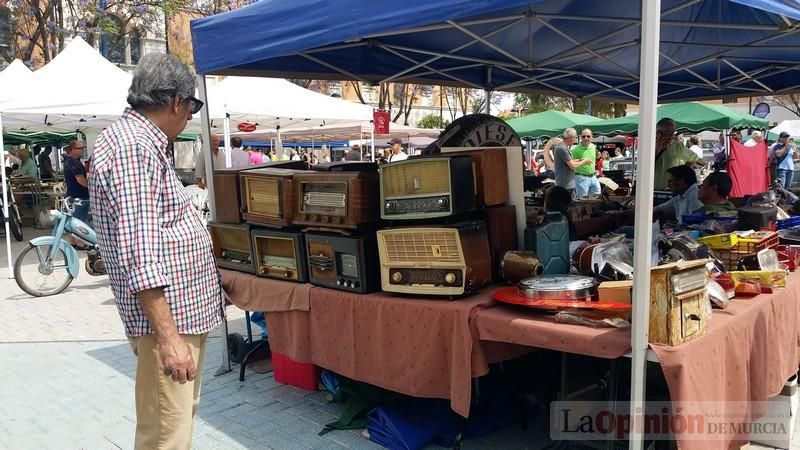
column 148, row 231
column 670, row 152
column 586, row 183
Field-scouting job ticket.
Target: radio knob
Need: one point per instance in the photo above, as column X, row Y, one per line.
column 287, row 274
column 338, row 282
column 450, row 278
column 442, row 202
column 397, row 277
column 265, row 270
column 389, row 206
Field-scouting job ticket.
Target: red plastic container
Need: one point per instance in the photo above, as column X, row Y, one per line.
column 288, row 371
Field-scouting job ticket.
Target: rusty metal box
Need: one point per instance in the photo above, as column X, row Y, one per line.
column 678, row 302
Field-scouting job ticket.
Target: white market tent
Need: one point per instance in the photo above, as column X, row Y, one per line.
column 276, row 104
column 339, row 132
column 790, row 126
column 78, row 89
column 12, row 76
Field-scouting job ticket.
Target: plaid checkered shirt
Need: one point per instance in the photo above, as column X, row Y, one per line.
column 150, row 233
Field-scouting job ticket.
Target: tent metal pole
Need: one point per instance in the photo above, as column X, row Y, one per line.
column 205, row 147
column 5, row 203
column 226, row 136
column 746, row 75
column 372, row 138
column 457, row 49
column 648, row 98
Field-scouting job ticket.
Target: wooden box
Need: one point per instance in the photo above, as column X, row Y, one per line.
column 331, row 201
column 678, row 302
column 501, row 225
column 268, row 196
column 490, row 175
column 616, row 292
column 227, row 190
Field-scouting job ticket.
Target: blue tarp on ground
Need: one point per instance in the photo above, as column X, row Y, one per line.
column 370, row 41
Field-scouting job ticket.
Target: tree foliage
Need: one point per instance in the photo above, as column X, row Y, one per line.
column 533, row 103
column 432, row 121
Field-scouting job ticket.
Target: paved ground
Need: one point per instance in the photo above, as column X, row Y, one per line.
column 67, row 383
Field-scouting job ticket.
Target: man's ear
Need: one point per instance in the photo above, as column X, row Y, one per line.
column 176, row 103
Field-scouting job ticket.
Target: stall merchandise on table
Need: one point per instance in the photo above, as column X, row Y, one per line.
column 351, row 230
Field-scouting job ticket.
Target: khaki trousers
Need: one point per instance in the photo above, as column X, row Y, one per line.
column 165, row 409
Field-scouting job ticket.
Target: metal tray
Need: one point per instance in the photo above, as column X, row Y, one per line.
column 558, row 287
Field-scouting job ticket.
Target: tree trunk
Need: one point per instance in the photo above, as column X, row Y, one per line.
column 357, row 87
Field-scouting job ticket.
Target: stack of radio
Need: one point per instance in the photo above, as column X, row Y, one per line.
column 432, row 225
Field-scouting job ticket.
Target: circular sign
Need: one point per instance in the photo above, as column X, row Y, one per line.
column 761, row 110
column 245, row 127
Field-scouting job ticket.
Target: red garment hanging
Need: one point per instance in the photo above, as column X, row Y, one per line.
column 748, row 168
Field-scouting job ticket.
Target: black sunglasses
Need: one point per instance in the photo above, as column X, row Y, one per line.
column 197, row 104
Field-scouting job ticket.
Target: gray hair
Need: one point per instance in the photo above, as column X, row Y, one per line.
column 756, row 134
column 158, row 79
column 570, row 132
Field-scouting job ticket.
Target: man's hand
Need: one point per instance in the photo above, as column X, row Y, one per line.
column 176, row 357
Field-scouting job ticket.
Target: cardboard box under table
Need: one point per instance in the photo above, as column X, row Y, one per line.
column 748, row 352
column 419, row 347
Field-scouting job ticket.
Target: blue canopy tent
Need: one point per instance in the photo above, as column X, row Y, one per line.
column 581, row 48
column 633, row 51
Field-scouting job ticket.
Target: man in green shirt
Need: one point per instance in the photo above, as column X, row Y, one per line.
column 586, row 184
column 670, row 153
column 714, row 195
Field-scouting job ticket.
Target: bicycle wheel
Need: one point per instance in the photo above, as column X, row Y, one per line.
column 15, row 223
column 36, row 276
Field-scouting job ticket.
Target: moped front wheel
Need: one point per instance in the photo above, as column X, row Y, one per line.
column 39, row 277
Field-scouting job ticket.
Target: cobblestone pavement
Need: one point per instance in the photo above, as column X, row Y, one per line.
column 67, row 383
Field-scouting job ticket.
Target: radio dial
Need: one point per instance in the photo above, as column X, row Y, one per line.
column 450, row 278
column 397, row 277
column 442, row 202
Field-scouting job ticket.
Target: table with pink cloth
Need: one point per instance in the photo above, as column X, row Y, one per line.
column 419, row 347
column 747, row 354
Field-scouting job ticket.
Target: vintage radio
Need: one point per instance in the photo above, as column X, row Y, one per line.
column 231, row 246
column 447, row 260
column 227, row 194
column 347, row 263
column 678, row 302
column 501, row 227
column 424, row 188
column 346, row 166
column 338, row 198
column 490, row 174
column 279, row 254
column 268, row 196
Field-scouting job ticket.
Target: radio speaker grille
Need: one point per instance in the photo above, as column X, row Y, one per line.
column 263, row 197
column 416, row 178
column 422, row 247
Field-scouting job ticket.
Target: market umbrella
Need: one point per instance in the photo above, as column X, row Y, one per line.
column 688, row 116
column 547, row 124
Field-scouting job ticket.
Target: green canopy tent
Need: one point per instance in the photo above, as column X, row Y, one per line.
column 689, row 117
column 39, row 137
column 548, row 124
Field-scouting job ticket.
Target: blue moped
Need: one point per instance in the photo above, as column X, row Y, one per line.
column 48, row 264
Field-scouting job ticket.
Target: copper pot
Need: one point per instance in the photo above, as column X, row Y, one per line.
column 518, row 265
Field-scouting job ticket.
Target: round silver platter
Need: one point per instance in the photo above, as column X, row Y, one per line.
column 558, row 287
